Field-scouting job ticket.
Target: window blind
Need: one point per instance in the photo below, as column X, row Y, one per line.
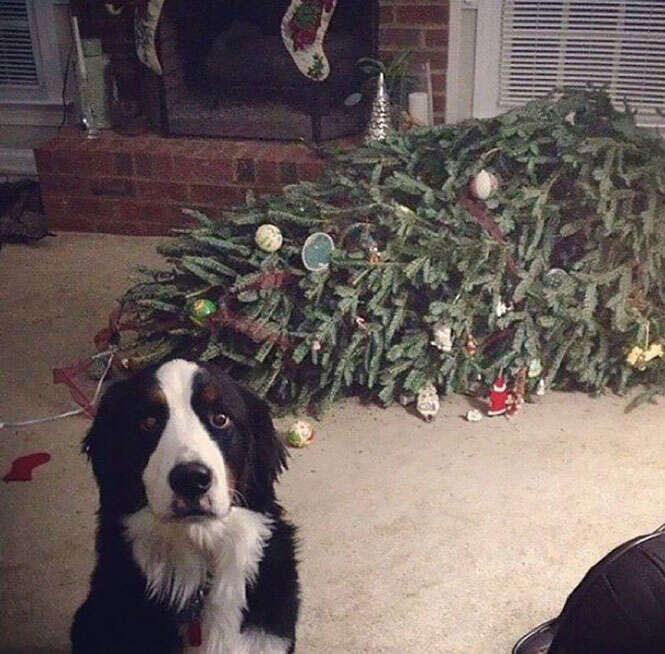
column 17, row 58
column 549, row 43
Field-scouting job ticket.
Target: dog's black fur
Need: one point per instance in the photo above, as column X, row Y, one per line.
column 118, row 617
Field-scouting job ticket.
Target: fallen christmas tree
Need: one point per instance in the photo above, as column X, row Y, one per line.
column 557, row 278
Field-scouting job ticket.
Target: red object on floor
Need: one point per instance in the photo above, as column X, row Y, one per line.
column 23, row 466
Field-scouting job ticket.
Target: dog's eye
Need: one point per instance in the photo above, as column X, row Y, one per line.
column 219, row 420
column 149, row 423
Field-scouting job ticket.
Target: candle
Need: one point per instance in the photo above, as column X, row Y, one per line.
column 419, row 107
column 430, row 95
column 79, row 49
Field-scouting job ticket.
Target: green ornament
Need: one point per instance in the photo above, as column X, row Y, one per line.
column 201, row 310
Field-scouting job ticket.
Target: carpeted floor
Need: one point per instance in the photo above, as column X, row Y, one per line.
column 451, row 537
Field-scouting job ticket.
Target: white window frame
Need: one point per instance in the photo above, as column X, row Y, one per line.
column 487, row 63
column 47, row 59
column 488, row 54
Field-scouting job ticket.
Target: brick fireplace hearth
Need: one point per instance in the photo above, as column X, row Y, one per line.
column 138, row 185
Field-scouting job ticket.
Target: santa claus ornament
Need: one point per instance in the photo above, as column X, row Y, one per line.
column 498, row 397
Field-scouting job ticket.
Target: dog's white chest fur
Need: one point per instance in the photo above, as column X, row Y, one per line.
column 176, row 558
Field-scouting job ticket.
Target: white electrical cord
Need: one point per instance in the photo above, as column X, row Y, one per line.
column 66, row 414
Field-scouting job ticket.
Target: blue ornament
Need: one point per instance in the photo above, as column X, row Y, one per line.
column 317, row 251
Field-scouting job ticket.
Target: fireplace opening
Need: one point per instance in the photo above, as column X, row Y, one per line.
column 227, row 71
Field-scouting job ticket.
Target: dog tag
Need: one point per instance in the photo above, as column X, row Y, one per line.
column 194, row 635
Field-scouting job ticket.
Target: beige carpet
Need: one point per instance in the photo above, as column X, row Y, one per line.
column 452, row 537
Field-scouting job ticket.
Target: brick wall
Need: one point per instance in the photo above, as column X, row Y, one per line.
column 422, row 27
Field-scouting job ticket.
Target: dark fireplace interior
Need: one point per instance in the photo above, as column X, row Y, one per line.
column 228, row 73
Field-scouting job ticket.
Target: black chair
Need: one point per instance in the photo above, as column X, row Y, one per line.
column 618, row 608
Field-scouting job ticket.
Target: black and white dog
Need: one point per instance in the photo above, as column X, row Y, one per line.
column 193, row 554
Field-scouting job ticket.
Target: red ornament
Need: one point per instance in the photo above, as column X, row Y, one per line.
column 516, row 394
column 498, row 397
column 513, row 403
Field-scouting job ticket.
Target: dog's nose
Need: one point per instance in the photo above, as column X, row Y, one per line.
column 190, row 480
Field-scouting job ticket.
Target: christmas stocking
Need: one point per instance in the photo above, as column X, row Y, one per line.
column 145, row 28
column 304, row 27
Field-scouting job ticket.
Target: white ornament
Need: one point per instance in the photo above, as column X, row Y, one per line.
column 361, row 323
column 483, row 185
column 535, row 368
column 300, row 434
column 540, row 389
column 407, row 398
column 556, row 277
column 316, row 346
column 443, row 337
column 268, row 237
column 427, row 402
column 501, row 308
column 570, row 118
column 112, row 9
column 473, row 415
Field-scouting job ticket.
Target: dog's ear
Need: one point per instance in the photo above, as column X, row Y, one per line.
column 99, row 442
column 270, row 453
column 111, row 446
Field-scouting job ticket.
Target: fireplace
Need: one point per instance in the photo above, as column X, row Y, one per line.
column 227, row 72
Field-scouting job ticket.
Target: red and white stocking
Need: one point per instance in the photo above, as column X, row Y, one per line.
column 304, row 28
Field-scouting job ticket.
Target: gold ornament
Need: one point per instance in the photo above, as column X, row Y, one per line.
column 374, row 256
column 638, row 357
column 268, row 237
column 406, row 122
